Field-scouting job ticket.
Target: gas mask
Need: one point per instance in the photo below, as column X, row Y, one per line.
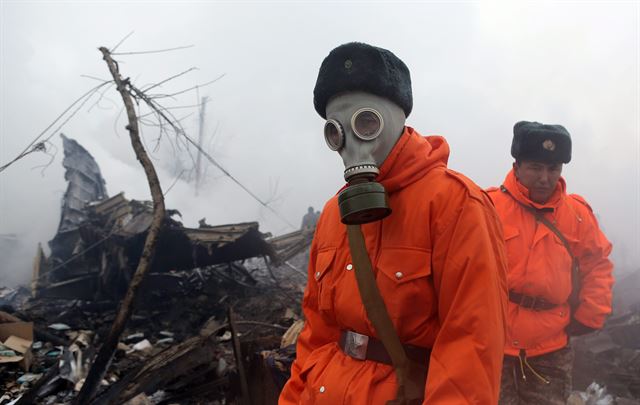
column 362, row 128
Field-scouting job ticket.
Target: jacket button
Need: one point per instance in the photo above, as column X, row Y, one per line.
column 399, row 275
column 322, row 389
column 516, row 343
column 349, row 266
column 317, row 275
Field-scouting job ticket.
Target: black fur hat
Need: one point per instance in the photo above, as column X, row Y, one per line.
column 360, row 67
column 540, row 142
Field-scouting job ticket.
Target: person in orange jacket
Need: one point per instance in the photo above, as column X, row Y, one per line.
column 556, row 251
column 435, row 244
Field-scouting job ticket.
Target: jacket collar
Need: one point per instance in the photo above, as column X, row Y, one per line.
column 411, row 158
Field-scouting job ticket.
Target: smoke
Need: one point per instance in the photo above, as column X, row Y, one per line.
column 477, row 68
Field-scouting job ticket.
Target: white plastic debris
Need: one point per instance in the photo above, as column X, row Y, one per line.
column 135, row 336
column 59, row 326
column 167, row 340
column 141, row 346
column 594, row 395
column 221, row 367
column 597, row 395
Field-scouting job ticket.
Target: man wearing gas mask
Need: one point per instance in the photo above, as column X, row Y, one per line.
column 406, row 296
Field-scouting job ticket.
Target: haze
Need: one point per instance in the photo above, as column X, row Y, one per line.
column 477, row 68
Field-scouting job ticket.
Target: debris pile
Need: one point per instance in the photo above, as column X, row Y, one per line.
column 611, row 357
column 207, row 325
column 178, row 341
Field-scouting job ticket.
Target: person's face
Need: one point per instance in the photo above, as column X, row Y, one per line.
column 539, row 178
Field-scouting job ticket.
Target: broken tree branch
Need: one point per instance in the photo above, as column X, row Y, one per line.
column 104, row 356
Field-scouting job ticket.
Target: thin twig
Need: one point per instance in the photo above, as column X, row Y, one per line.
column 197, row 86
column 51, row 155
column 170, row 78
column 143, row 138
column 96, row 78
column 176, row 124
column 71, row 116
column 121, row 41
column 173, row 184
column 115, row 123
column 29, row 148
column 147, row 122
column 102, row 96
column 36, row 148
column 180, row 107
column 156, row 51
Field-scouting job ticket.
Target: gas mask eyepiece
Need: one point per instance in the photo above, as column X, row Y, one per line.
column 334, row 135
column 366, row 124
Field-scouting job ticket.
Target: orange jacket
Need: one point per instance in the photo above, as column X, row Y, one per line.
column 540, row 266
column 440, row 267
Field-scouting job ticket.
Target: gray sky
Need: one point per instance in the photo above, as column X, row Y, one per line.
column 477, row 68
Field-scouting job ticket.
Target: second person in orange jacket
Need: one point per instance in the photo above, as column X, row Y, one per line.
column 556, row 250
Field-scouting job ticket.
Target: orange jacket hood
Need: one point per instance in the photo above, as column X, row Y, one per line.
column 411, row 157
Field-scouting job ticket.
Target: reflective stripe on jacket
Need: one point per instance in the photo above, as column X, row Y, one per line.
column 540, row 266
column 440, row 267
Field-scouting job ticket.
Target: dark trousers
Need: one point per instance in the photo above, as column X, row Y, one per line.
column 554, row 367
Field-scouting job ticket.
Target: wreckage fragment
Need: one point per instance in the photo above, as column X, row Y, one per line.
column 100, row 240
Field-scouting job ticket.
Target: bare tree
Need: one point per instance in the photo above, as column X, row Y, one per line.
column 103, row 359
column 165, row 122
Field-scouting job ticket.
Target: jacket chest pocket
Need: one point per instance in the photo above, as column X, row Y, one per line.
column 405, row 282
column 322, row 276
column 514, row 246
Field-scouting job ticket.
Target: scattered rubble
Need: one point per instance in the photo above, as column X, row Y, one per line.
column 182, row 345
column 611, row 357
